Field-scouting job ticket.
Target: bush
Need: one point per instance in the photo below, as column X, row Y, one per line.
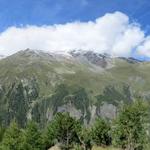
column 62, row 129
column 101, row 133
column 12, row 139
column 130, row 127
column 32, row 137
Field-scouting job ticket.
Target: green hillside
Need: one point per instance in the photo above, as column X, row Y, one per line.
column 35, row 85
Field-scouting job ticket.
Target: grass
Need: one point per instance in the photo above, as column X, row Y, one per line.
column 106, row 148
column 50, row 73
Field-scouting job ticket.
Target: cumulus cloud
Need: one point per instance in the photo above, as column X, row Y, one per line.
column 144, row 48
column 113, row 34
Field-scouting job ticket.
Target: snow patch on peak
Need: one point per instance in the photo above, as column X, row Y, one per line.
column 50, row 52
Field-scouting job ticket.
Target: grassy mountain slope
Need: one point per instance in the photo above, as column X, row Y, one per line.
column 36, row 85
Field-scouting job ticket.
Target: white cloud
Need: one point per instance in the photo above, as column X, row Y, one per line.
column 129, row 40
column 144, row 48
column 113, row 33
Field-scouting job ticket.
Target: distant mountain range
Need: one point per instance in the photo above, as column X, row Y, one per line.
column 36, row 84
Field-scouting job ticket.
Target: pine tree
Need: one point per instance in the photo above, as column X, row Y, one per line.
column 63, row 129
column 32, row 137
column 101, row 132
column 2, row 131
column 130, row 128
column 12, row 139
column 85, row 138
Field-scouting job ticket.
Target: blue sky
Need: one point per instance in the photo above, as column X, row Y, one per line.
column 129, row 29
column 39, row 12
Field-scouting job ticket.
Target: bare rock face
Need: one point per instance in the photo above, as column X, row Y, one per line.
column 93, row 114
column 108, row 111
column 71, row 110
column 97, row 59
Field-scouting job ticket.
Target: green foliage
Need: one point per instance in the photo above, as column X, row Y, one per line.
column 50, row 135
column 12, row 139
column 85, row 138
column 2, row 131
column 57, row 99
column 32, row 137
column 52, row 102
column 129, row 130
column 63, row 129
column 78, row 98
column 113, row 96
column 81, row 99
column 101, row 132
column 39, row 111
column 82, row 102
column 17, row 104
column 36, row 78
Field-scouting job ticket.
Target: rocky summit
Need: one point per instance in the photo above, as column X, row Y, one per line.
column 36, row 85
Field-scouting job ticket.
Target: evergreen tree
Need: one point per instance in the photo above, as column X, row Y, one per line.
column 85, row 138
column 63, row 129
column 2, row 131
column 101, row 132
column 130, row 129
column 32, row 137
column 12, row 139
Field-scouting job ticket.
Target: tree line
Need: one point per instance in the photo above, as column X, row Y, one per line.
column 130, row 131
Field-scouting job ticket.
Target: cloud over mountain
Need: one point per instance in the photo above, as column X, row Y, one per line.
column 113, row 33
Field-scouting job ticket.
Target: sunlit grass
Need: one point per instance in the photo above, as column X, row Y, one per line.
column 104, row 148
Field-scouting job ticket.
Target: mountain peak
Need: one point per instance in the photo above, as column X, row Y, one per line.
column 95, row 58
column 98, row 59
column 32, row 53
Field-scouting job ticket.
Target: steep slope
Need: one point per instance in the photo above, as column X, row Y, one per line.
column 35, row 85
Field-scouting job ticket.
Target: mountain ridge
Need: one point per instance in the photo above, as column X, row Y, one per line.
column 73, row 53
column 36, row 85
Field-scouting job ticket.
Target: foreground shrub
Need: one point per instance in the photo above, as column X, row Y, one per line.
column 13, row 138
column 62, row 129
column 129, row 131
column 101, row 133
